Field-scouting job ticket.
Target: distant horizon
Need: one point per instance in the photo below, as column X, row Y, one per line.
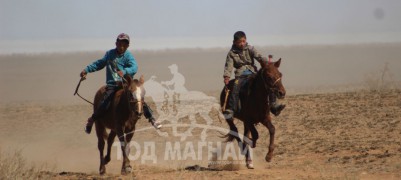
column 47, row 26
column 160, row 44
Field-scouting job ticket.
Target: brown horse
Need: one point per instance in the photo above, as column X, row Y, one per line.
column 255, row 108
column 124, row 111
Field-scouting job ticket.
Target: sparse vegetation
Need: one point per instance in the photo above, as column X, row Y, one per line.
column 14, row 166
column 379, row 80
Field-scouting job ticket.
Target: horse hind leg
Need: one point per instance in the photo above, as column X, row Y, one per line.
column 110, row 141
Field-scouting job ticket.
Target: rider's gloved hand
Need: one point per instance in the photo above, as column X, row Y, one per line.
column 226, row 80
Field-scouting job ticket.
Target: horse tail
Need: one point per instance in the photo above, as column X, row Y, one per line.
column 228, row 137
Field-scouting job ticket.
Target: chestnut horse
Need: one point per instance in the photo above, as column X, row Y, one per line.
column 255, row 108
column 124, row 111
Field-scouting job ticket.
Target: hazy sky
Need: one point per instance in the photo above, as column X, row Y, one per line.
column 48, row 25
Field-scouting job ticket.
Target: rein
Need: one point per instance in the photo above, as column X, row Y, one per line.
column 271, row 89
column 265, row 84
column 76, row 90
column 83, row 78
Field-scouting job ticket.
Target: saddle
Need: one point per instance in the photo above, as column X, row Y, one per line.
column 108, row 96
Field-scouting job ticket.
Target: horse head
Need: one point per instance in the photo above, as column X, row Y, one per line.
column 135, row 87
column 272, row 78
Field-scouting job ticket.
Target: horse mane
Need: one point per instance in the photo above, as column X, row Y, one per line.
column 253, row 78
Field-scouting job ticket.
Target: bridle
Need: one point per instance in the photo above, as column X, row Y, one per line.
column 271, row 89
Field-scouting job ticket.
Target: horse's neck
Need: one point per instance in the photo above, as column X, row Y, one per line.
column 126, row 96
column 258, row 87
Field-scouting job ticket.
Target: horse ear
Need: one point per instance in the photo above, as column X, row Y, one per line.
column 141, row 79
column 129, row 79
column 277, row 63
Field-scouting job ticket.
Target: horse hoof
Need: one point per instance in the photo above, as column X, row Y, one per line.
column 102, row 171
column 126, row 170
column 249, row 165
column 268, row 158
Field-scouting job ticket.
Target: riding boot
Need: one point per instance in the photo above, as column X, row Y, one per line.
column 149, row 115
column 275, row 107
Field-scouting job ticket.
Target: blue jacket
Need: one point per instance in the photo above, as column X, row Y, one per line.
column 125, row 63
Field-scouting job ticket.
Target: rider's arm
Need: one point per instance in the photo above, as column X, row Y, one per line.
column 259, row 57
column 229, row 66
column 131, row 67
column 97, row 65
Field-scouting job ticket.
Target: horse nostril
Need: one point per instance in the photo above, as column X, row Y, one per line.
column 282, row 94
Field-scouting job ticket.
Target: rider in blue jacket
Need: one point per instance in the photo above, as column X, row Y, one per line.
column 118, row 62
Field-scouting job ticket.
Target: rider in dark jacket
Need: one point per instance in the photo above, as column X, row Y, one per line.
column 242, row 57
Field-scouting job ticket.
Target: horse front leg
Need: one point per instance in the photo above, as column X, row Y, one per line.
column 268, row 124
column 110, row 141
column 124, row 149
column 127, row 168
column 100, row 130
column 255, row 135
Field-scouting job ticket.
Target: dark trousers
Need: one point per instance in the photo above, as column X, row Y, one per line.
column 105, row 103
column 234, row 94
column 147, row 111
column 233, row 103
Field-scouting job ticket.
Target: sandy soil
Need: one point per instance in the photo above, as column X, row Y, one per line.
column 319, row 136
column 347, row 132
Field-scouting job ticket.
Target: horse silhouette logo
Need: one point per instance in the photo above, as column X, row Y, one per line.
column 173, row 102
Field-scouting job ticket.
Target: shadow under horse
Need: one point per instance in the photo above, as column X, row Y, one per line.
column 123, row 113
column 255, row 108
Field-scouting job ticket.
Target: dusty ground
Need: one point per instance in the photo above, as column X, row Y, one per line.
column 334, row 127
column 353, row 135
